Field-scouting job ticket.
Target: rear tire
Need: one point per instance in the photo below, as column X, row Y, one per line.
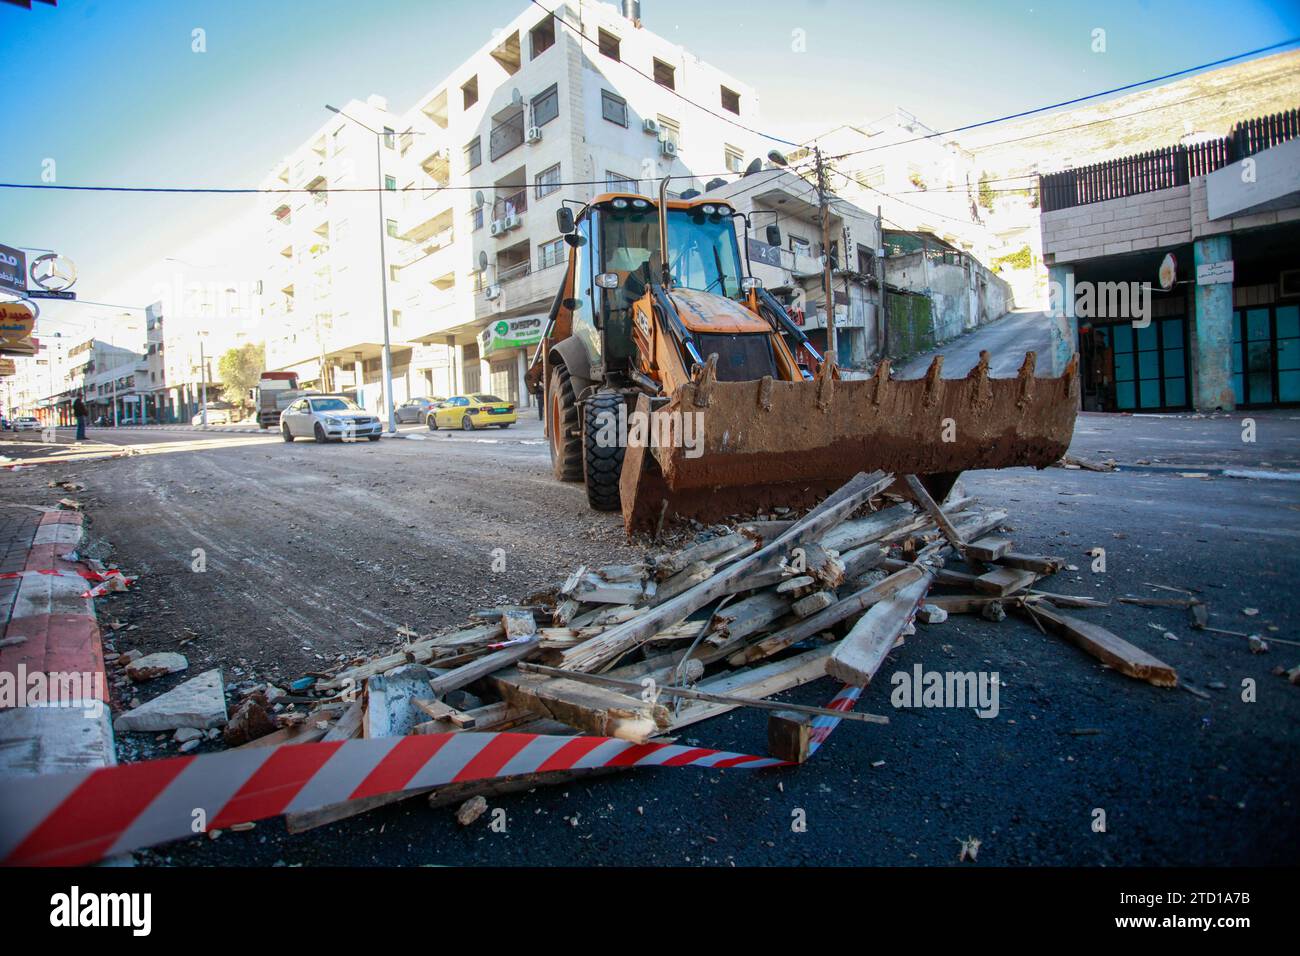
column 602, row 462
column 284, row 432
column 563, row 427
column 506, row 425
column 466, row 424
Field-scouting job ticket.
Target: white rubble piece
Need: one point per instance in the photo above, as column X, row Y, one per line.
column 199, row 702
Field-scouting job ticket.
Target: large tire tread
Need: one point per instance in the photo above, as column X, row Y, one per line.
column 602, row 463
column 566, row 447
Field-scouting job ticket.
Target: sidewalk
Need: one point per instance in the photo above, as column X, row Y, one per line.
column 54, row 714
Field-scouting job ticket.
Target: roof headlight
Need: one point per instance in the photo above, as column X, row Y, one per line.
column 640, row 204
column 709, row 210
column 619, row 204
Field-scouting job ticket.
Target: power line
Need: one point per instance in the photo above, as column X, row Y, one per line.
column 685, row 99
column 1078, row 99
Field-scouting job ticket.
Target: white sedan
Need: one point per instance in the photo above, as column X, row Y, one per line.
column 329, row 418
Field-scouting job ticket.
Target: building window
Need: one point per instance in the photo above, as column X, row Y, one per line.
column 665, row 75
column 397, row 319
column 389, row 133
column 609, row 45
column 394, row 273
column 618, row 183
column 470, row 92
column 731, row 101
column 800, row 247
column 542, row 37
column 474, row 153
column 734, row 159
column 613, row 107
column 670, row 131
column 550, row 253
column 546, row 105
column 548, row 181
column 390, row 183
column 390, row 226
column 476, row 218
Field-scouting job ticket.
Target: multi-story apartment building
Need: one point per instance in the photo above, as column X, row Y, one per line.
column 554, row 108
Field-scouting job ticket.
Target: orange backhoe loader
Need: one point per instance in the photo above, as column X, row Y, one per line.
column 675, row 385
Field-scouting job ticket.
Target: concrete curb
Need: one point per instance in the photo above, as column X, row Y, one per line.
column 61, row 649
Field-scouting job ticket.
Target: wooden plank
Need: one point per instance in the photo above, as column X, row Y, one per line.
column 1004, row 581
column 421, row 652
column 1038, row 563
column 443, row 684
column 692, row 693
column 454, row 794
column 855, row 603
column 857, row 658
column 936, row 513
column 347, row 726
column 1105, row 646
column 988, row 548
column 762, row 681
column 592, row 710
column 623, row 637
column 789, row 735
column 437, row 710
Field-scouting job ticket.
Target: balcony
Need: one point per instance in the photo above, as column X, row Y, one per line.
column 424, row 217
column 507, row 212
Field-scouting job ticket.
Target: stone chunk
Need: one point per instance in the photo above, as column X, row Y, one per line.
column 199, row 702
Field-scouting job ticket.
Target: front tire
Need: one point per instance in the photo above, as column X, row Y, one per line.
column 373, row 437
column 563, row 428
column 432, row 422
column 602, row 460
column 321, row 437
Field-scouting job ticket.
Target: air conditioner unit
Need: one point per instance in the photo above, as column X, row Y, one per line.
column 498, row 227
column 511, row 222
column 650, row 125
column 667, row 147
column 493, row 292
column 534, row 134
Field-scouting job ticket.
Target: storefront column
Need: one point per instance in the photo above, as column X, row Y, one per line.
column 1065, row 324
column 1212, row 346
column 525, row 398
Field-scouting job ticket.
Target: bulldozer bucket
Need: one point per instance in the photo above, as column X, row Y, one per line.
column 722, row 448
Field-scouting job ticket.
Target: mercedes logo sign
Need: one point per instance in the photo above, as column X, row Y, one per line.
column 53, row 272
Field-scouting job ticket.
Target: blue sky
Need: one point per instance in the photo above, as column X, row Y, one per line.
column 113, row 93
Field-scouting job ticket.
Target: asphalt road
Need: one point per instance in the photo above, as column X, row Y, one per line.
column 313, row 550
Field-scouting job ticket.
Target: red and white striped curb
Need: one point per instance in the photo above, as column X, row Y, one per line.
column 52, row 631
column 76, row 818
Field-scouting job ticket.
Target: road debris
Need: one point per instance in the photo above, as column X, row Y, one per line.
column 640, row 651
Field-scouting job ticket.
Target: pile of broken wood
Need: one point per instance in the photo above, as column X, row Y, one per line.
column 641, row 651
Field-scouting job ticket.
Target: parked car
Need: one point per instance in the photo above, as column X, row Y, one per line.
column 416, row 409
column 26, row 423
column 329, row 418
column 219, row 413
column 472, row 411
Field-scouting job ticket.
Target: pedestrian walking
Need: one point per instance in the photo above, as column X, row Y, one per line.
column 79, row 410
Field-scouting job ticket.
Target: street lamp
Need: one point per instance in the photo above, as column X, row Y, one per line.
column 383, row 270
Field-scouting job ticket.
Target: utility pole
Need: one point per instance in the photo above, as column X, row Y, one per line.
column 824, row 205
column 387, row 356
column 882, row 321
column 203, row 391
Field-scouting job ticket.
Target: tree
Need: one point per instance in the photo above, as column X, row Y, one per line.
column 986, row 192
column 240, row 369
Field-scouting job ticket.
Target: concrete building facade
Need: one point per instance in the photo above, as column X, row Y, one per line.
column 1175, row 274
column 554, row 108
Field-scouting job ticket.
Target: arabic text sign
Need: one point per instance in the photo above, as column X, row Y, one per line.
column 13, row 269
column 16, row 321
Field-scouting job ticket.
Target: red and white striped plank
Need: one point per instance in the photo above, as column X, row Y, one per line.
column 77, row 818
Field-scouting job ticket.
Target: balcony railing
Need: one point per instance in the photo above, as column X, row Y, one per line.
column 506, row 136
column 511, row 205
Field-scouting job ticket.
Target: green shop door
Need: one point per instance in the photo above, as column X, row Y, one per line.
column 1150, row 365
column 1266, row 356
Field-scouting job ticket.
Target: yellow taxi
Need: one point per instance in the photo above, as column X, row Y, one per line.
column 470, row 412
